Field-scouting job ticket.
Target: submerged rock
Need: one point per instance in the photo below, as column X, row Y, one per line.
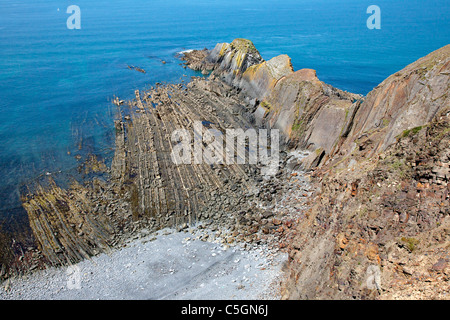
column 137, row 69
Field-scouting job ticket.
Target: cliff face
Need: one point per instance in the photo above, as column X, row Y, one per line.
column 378, row 226
column 407, row 99
column 259, row 80
column 329, row 121
column 388, row 213
column 306, row 110
column 229, row 61
column 383, row 196
column 309, row 112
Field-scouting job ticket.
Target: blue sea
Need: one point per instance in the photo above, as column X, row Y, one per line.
column 56, row 84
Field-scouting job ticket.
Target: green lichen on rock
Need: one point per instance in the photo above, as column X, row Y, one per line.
column 223, row 49
column 411, row 132
column 244, row 45
column 410, row 243
column 266, row 105
column 297, row 126
column 240, row 57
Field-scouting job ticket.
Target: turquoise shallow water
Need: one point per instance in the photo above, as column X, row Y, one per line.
column 56, row 83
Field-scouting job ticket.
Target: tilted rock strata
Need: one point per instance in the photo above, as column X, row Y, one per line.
column 147, row 190
column 383, row 195
column 378, row 204
column 391, row 213
column 259, row 79
column 381, row 168
column 231, row 60
column 65, row 224
column 194, row 59
column 410, row 98
column 306, row 110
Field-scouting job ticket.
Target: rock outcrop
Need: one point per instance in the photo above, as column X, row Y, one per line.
column 229, row 61
column 410, row 98
column 383, row 196
column 309, row 113
column 387, row 214
column 379, row 221
column 194, row 59
column 260, row 79
column 240, row 65
column 146, row 190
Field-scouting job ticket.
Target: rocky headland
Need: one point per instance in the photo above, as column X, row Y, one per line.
column 363, row 183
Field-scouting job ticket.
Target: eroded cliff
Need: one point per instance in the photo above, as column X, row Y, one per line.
column 380, row 165
column 378, row 226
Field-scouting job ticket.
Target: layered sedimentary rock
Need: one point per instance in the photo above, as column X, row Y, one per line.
column 65, row 224
column 194, row 59
column 381, row 167
column 229, row 61
column 382, row 208
column 259, row 79
column 163, row 189
column 146, row 189
column 387, row 216
column 410, row 98
column 309, row 113
column 382, row 172
column 321, row 118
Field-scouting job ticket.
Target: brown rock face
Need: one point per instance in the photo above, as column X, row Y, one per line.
column 378, row 225
column 310, row 113
column 410, row 98
column 383, row 201
column 259, row 80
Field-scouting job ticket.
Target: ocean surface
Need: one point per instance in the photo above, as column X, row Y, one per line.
column 56, row 84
